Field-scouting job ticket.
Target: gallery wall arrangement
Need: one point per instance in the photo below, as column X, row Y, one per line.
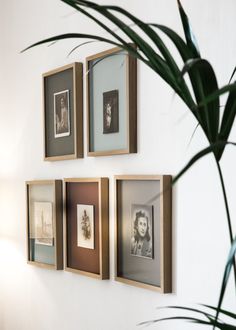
column 35, row 293
column 142, row 203
column 142, row 228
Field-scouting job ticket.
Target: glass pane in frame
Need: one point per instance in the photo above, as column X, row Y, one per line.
column 112, row 103
column 138, row 228
column 143, row 231
column 63, row 112
column 41, row 223
column 86, row 195
column 87, row 226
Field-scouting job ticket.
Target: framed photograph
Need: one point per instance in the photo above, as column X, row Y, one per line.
column 143, row 231
column 110, row 112
column 141, row 237
column 44, row 223
column 86, row 227
column 111, row 103
column 63, row 112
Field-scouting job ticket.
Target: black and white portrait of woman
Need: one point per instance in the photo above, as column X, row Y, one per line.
column 142, row 230
column 61, row 114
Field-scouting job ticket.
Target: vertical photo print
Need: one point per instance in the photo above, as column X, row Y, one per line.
column 141, row 240
column 61, row 114
column 85, row 226
column 110, row 112
column 43, row 223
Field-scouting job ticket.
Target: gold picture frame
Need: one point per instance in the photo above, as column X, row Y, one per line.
column 93, row 259
column 121, row 68
column 63, row 112
column 44, row 210
column 149, row 266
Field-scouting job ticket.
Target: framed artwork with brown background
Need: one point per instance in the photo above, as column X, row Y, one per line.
column 111, row 103
column 63, row 112
column 45, row 223
column 143, row 231
column 86, row 227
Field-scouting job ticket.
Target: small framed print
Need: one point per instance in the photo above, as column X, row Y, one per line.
column 143, row 231
column 63, row 112
column 86, row 227
column 110, row 112
column 141, row 237
column 44, row 223
column 112, row 103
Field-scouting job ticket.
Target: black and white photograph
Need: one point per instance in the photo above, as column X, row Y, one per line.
column 85, row 226
column 142, row 230
column 110, row 112
column 43, row 223
column 61, row 114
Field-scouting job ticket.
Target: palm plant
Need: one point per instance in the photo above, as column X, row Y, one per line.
column 201, row 95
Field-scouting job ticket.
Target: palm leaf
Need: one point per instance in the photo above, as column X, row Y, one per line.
column 171, row 318
column 72, row 36
column 184, row 51
column 125, row 45
column 228, row 267
column 217, row 93
column 219, row 325
column 222, row 311
column 94, row 63
column 80, row 45
column 198, row 70
column 204, row 85
column 156, row 62
column 233, row 73
column 189, row 309
column 210, row 319
column 192, row 135
column 212, row 148
column 190, row 38
column 154, row 58
column 228, row 118
column 152, row 35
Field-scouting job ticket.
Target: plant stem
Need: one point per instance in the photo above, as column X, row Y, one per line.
column 227, row 213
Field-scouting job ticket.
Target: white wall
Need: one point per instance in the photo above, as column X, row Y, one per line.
column 39, row 299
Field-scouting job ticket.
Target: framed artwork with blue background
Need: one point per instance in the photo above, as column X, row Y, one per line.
column 111, row 103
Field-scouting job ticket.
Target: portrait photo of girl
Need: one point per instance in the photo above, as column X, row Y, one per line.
column 142, row 230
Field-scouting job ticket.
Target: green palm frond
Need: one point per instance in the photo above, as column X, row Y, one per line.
column 229, row 265
column 203, row 317
column 212, row 148
column 189, row 35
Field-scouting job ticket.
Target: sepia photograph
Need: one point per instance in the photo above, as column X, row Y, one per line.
column 61, row 114
column 85, row 226
column 43, row 223
column 142, row 231
column 110, row 112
